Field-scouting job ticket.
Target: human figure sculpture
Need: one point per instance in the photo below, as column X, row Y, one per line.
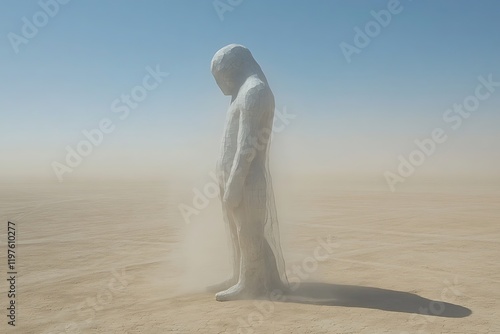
column 245, row 182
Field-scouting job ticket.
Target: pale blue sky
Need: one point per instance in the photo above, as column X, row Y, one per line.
column 65, row 78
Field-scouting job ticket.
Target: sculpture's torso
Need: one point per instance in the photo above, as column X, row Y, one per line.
column 232, row 127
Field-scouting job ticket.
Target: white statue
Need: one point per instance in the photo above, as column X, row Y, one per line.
column 245, row 182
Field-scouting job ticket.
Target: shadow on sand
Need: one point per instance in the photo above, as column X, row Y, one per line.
column 374, row 298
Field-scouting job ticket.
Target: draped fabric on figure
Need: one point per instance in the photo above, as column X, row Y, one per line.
column 247, row 195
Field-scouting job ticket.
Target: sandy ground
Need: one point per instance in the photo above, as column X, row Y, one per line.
column 119, row 258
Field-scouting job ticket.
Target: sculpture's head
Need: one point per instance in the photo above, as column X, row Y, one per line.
column 232, row 65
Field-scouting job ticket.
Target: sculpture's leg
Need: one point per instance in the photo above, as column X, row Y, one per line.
column 233, row 229
column 230, row 222
column 254, row 279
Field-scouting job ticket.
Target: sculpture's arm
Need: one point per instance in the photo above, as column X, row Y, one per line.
column 256, row 105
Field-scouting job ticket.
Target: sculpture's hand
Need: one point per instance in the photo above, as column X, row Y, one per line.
column 233, row 194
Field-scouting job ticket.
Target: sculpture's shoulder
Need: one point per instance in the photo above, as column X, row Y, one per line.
column 256, row 95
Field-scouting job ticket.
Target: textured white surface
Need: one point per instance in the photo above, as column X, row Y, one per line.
column 245, row 183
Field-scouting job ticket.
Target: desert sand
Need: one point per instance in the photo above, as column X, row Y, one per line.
column 120, row 258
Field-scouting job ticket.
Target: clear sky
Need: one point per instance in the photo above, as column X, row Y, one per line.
column 356, row 115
